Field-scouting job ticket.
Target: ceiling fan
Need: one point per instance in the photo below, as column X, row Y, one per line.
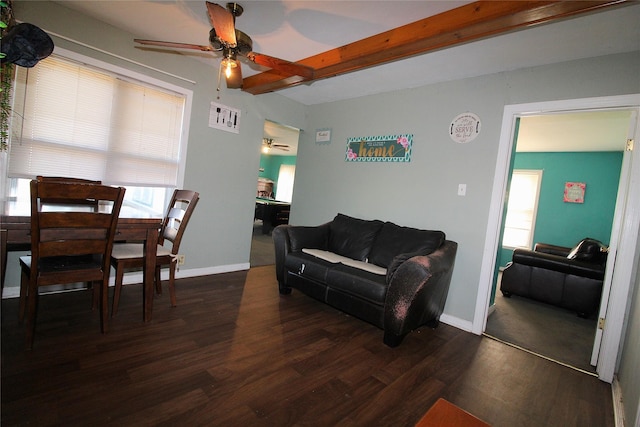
column 267, row 145
column 232, row 42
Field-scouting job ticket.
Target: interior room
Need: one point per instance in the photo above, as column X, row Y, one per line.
column 452, row 81
column 276, row 179
column 561, row 147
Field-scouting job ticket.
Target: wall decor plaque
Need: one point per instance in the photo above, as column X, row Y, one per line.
column 388, row 148
column 574, row 192
column 323, row 135
column 224, row 118
column 464, row 128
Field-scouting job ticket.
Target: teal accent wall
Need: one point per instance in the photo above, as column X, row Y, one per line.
column 270, row 167
column 565, row 224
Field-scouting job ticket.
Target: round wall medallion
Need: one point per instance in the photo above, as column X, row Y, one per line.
column 464, row 128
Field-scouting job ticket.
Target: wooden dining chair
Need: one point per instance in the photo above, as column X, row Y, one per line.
column 131, row 255
column 69, row 244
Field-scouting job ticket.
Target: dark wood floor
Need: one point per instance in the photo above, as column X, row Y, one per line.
column 234, row 352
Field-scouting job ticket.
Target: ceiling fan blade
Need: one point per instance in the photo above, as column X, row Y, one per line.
column 282, row 65
column 174, row 45
column 235, row 80
column 223, row 22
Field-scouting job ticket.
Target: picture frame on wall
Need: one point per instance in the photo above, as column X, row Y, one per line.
column 574, row 192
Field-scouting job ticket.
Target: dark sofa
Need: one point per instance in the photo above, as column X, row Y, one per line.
column 396, row 278
column 566, row 277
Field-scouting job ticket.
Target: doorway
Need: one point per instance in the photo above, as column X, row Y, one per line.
column 274, row 191
column 562, row 147
column 619, row 272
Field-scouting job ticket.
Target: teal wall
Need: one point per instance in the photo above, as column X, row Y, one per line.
column 270, row 167
column 565, row 224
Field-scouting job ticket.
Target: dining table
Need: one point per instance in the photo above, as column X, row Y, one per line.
column 133, row 225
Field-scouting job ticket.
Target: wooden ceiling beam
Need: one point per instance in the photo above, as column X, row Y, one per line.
column 464, row 24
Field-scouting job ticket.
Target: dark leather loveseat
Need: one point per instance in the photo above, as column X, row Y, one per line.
column 565, row 277
column 396, row 278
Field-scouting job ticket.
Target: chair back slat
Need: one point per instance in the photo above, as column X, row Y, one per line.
column 73, row 247
column 66, row 180
column 75, row 220
column 179, row 212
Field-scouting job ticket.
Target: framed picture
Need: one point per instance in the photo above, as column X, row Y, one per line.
column 387, row 148
column 323, row 135
column 574, row 192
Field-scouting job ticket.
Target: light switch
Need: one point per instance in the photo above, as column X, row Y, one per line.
column 462, row 189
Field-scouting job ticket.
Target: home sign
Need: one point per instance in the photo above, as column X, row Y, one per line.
column 388, row 148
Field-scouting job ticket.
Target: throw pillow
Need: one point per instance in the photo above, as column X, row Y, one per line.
column 352, row 237
column 589, row 250
column 395, row 240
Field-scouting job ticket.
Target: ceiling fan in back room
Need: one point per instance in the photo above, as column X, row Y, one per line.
column 225, row 38
column 268, row 144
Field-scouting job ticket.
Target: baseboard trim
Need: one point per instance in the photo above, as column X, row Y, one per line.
column 618, row 405
column 136, row 277
column 456, row 322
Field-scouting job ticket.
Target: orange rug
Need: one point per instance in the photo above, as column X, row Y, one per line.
column 445, row 414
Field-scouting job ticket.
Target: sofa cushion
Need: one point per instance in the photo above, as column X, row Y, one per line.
column 352, row 237
column 363, row 284
column 589, row 250
column 394, row 240
column 307, row 237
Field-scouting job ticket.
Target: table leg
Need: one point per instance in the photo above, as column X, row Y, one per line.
column 3, row 256
column 150, row 251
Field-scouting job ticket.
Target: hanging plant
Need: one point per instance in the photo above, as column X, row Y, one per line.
column 6, row 19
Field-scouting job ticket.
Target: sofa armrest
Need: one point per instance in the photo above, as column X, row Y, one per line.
column 289, row 238
column 558, row 263
column 282, row 246
column 417, row 292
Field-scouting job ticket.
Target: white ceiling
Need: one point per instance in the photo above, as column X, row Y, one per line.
column 295, row 30
column 282, row 135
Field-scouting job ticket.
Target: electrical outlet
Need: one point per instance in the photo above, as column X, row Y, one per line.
column 180, row 259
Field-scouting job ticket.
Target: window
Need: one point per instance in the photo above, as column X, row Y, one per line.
column 98, row 122
column 284, row 191
column 522, row 208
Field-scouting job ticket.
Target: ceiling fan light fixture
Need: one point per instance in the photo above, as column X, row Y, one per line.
column 228, row 64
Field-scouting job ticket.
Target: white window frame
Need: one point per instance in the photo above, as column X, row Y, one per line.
column 531, row 231
column 135, row 77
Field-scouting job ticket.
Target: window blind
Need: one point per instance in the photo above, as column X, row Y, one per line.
column 522, row 208
column 73, row 120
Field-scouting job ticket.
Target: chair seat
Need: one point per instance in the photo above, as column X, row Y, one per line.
column 123, row 251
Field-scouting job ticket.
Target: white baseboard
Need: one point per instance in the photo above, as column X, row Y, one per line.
column 136, row 277
column 618, row 406
column 456, row 322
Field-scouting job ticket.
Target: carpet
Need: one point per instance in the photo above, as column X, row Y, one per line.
column 544, row 329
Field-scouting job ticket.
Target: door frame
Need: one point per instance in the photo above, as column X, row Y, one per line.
column 628, row 216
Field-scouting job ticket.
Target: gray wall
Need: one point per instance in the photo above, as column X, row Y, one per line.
column 423, row 193
column 223, row 167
